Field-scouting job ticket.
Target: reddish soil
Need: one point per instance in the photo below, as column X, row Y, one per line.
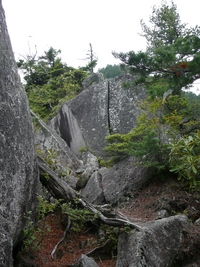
column 67, row 253
column 169, row 194
column 141, row 207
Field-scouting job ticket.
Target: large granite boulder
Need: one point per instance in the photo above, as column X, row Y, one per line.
column 111, row 185
column 93, row 192
column 68, row 128
column 18, row 169
column 123, row 178
column 156, row 246
column 102, row 108
column 49, row 142
column 94, row 78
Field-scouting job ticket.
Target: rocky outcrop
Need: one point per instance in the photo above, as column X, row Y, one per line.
column 93, row 192
column 123, row 178
column 67, row 127
column 156, row 246
column 18, row 169
column 156, row 243
column 98, row 185
column 100, row 109
column 104, row 106
column 111, row 185
column 93, row 79
column 47, row 141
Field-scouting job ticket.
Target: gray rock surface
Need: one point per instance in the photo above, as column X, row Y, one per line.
column 89, row 160
column 93, row 190
column 99, row 109
column 111, row 185
column 67, row 127
column 85, row 261
column 18, row 169
column 46, row 139
column 123, row 178
column 84, row 178
column 156, row 246
column 89, row 117
column 94, row 78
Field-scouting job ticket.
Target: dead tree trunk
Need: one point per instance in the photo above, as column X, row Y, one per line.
column 56, row 187
column 61, row 190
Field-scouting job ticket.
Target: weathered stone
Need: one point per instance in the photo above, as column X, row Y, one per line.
column 6, row 247
column 156, row 246
column 99, row 109
column 18, row 169
column 91, row 164
column 81, row 183
column 123, row 103
column 123, row 178
column 84, row 178
column 67, row 127
column 90, row 160
column 48, row 142
column 71, row 180
column 93, row 190
column 162, row 214
column 87, row 173
column 85, row 261
column 94, row 78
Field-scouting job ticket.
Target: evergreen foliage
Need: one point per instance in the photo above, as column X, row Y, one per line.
column 159, row 129
column 185, row 159
column 172, row 56
column 167, row 131
column 49, row 82
column 145, row 139
column 111, row 71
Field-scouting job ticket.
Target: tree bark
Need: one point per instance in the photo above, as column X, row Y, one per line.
column 61, row 190
column 57, row 188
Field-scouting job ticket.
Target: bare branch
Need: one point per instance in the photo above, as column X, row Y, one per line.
column 61, row 190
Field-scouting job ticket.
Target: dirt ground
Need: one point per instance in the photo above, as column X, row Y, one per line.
column 140, row 207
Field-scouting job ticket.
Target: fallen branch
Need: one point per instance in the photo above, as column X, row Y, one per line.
column 57, row 187
column 62, row 239
column 107, row 220
column 61, row 190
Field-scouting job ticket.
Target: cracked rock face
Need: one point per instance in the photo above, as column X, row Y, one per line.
column 99, row 109
column 18, row 170
column 155, row 246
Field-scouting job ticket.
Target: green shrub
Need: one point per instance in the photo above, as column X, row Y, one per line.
column 161, row 122
column 185, row 159
column 45, row 207
column 83, row 149
column 79, row 217
column 145, row 138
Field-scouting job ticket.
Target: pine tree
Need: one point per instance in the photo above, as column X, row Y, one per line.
column 172, row 57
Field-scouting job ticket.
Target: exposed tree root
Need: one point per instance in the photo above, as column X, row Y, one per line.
column 61, row 190
column 62, row 239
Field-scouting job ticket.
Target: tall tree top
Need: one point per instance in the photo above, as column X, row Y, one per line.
column 172, row 56
column 165, row 28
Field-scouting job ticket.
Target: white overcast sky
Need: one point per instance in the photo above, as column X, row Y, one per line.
column 70, row 25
